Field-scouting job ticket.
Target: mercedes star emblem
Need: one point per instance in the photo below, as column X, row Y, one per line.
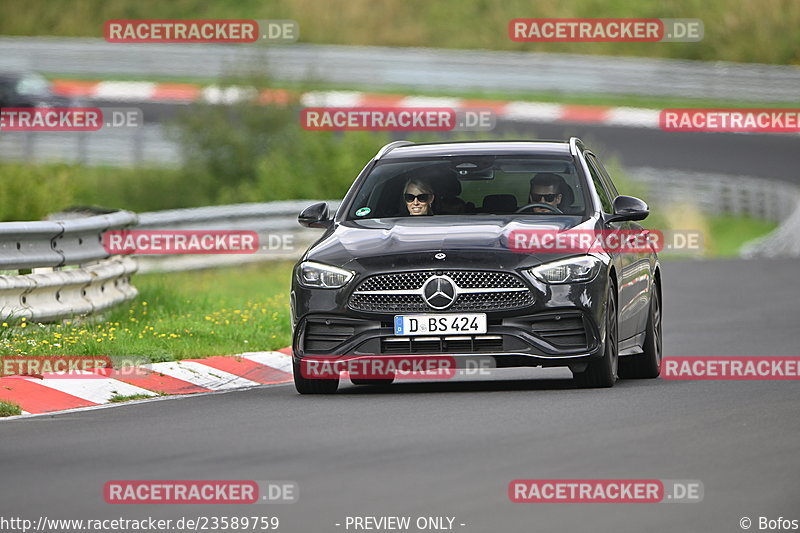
column 439, row 292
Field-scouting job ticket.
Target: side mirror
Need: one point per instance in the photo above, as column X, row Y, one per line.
column 628, row 208
column 315, row 216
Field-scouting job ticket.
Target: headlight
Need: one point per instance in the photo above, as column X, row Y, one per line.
column 323, row 276
column 572, row 270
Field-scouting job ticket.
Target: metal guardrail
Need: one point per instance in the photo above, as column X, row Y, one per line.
column 51, row 270
column 26, row 245
column 783, row 242
column 266, row 219
column 720, row 194
column 724, row 194
column 372, row 67
column 57, row 269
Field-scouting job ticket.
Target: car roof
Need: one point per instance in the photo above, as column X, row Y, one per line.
column 478, row 148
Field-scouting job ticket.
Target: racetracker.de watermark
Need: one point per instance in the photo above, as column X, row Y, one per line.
column 69, row 118
column 605, row 30
column 174, row 242
column 605, row 491
column 636, row 241
column 394, row 366
column 731, row 368
column 200, row 492
column 200, row 31
column 396, row 119
column 73, row 366
column 731, row 120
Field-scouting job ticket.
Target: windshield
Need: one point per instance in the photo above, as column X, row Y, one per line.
column 478, row 185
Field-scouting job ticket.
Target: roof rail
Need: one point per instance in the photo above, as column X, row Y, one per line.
column 391, row 146
column 574, row 144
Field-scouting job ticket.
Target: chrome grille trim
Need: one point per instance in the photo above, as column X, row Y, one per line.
column 460, row 291
column 476, row 290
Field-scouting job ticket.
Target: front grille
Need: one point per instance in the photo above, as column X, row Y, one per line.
column 493, row 301
column 403, row 280
column 466, row 279
column 402, row 292
column 441, row 345
column 564, row 329
column 388, row 303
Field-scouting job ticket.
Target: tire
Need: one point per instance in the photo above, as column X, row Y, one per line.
column 382, row 381
column 312, row 386
column 603, row 372
column 646, row 365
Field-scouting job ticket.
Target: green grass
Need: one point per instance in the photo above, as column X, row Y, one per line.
column 766, row 31
column 119, row 398
column 26, row 192
column 728, row 233
column 292, row 164
column 721, row 235
column 176, row 316
column 9, row 409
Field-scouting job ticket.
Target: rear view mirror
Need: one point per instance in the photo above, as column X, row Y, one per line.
column 628, row 208
column 315, row 216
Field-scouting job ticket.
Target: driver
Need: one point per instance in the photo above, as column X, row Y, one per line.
column 546, row 188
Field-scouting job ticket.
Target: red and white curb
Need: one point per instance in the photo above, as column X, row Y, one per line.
column 51, row 392
column 136, row 91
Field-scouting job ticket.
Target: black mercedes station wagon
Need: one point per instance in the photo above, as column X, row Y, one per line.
column 417, row 261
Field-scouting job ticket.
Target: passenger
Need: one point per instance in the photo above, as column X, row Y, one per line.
column 418, row 196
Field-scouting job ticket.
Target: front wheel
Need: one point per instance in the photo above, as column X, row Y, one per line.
column 312, row 386
column 646, row 365
column 603, row 372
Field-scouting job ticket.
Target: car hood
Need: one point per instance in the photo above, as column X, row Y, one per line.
column 414, row 242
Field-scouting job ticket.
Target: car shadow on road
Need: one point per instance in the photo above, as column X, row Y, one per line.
column 485, row 385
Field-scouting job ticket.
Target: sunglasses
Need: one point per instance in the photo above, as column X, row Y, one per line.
column 424, row 197
column 546, row 197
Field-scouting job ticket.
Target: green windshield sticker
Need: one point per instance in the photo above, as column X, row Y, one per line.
column 363, row 211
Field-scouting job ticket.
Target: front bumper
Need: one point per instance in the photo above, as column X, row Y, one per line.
column 561, row 328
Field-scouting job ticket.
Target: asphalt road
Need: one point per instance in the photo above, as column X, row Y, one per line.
column 450, row 449
column 773, row 156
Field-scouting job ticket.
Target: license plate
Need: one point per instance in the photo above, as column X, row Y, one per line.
column 462, row 324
